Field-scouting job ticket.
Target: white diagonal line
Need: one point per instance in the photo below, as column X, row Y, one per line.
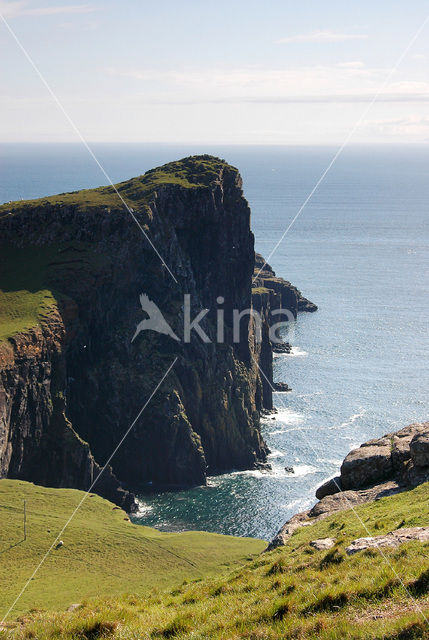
column 82, row 139
column 55, row 542
column 345, row 143
column 379, row 549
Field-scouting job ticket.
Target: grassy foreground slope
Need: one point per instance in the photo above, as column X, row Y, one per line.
column 292, row 592
column 103, row 553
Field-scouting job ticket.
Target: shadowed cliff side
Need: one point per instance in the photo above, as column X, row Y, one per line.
column 71, row 381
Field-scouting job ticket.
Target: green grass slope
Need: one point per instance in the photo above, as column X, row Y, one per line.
column 103, row 552
column 31, row 281
column 293, row 592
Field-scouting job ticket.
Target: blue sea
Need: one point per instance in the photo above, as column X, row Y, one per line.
column 359, row 250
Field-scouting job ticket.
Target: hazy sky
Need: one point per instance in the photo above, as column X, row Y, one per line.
column 230, row 71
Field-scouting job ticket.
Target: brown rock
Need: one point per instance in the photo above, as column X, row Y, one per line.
column 419, row 448
column 329, row 488
column 368, row 465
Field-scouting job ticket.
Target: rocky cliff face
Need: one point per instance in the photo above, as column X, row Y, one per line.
column 71, row 379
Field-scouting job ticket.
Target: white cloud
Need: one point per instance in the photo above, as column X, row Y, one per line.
column 411, row 128
column 353, row 64
column 261, row 80
column 349, row 82
column 16, row 9
column 322, row 36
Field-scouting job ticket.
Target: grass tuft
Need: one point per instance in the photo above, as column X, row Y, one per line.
column 329, row 602
column 178, row 625
column 334, row 556
column 420, row 587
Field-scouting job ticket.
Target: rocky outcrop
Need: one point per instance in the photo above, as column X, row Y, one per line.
column 73, row 382
column 282, row 293
column 391, row 539
column 401, row 456
column 281, row 386
column 382, row 467
column 282, row 347
column 270, row 294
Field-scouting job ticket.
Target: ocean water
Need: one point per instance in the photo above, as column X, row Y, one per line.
column 359, row 250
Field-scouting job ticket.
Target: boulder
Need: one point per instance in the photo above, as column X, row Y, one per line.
column 337, row 502
column 281, row 386
column 381, row 467
column 329, row 488
column 419, row 449
column 368, row 465
column 281, row 347
column 392, row 539
column 322, row 544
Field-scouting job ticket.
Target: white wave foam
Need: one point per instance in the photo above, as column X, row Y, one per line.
column 291, row 505
column 252, row 473
column 279, row 431
column 142, row 509
column 350, row 420
column 212, row 482
column 297, row 352
column 334, row 461
column 303, row 470
column 275, row 453
column 288, row 416
column 278, row 473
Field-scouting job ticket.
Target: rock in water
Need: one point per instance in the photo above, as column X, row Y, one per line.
column 282, row 347
column 281, row 386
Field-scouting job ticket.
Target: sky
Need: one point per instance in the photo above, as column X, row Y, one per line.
column 228, row 72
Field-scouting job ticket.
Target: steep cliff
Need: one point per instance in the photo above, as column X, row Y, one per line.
column 72, row 380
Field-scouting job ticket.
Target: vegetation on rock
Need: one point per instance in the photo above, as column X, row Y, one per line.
column 189, row 173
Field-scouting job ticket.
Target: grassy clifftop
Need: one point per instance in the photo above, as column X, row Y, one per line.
column 189, row 173
column 292, row 592
column 31, row 277
column 103, row 552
